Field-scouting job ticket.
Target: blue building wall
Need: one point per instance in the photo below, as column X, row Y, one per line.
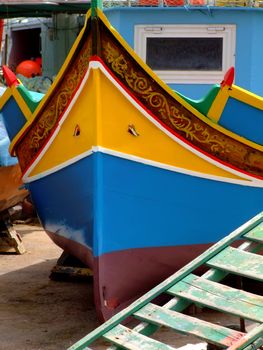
column 249, row 42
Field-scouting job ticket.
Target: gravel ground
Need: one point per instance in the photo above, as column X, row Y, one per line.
column 37, row 313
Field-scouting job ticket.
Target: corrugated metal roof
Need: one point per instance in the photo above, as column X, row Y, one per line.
column 37, row 8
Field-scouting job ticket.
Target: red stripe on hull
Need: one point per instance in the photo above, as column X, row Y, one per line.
column 121, row 277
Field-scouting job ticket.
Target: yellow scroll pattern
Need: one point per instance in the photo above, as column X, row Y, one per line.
column 176, row 117
column 49, row 115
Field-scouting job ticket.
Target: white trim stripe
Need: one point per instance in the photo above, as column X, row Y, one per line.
column 97, row 149
column 57, row 168
column 61, row 121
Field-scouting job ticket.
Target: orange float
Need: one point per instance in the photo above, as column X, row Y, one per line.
column 29, row 69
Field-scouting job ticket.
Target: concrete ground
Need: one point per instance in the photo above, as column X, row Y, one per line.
column 37, row 313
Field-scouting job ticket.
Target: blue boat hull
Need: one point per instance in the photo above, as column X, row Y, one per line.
column 110, row 204
column 126, row 219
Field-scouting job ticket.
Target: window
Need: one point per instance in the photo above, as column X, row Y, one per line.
column 193, row 54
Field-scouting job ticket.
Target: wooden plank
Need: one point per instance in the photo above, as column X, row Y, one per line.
column 220, row 297
column 129, row 339
column 256, row 234
column 181, row 323
column 239, row 262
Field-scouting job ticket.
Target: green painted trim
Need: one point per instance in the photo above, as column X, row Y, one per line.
column 211, row 333
column 256, row 234
column 203, row 105
column 241, row 263
column 129, row 339
column 219, row 297
column 31, row 101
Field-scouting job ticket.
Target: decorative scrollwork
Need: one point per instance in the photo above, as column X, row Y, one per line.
column 181, row 121
column 51, row 112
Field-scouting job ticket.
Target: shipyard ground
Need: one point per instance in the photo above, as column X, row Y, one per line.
column 37, row 313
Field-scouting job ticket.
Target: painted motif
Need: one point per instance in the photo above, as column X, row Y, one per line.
column 175, row 116
column 161, row 105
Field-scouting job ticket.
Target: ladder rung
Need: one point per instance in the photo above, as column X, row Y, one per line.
column 220, row 297
column 256, row 234
column 210, row 332
column 239, row 262
column 129, row 339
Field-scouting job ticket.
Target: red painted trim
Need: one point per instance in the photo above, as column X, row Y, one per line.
column 53, row 131
column 10, row 77
column 228, row 78
column 96, row 58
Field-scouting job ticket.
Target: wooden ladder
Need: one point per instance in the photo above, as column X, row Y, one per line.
column 187, row 288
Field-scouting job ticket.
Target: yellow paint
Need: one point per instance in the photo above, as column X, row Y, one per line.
column 103, row 116
column 246, row 97
column 152, row 143
column 82, row 115
column 237, row 93
column 21, row 103
column 5, row 97
column 219, row 104
column 12, row 91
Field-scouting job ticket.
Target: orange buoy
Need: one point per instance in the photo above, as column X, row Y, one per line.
column 28, row 68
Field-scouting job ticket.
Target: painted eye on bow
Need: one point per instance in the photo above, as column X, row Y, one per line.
column 132, row 130
column 76, row 131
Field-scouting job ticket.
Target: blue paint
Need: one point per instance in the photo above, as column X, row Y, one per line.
column 115, row 204
column 13, row 117
column 5, row 158
column 249, row 48
column 65, row 201
column 243, row 120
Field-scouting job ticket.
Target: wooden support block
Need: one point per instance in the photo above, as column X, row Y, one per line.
column 69, row 267
column 9, row 238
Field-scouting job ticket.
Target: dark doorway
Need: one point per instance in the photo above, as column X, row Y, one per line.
column 26, row 45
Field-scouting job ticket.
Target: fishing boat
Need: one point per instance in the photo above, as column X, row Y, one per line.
column 128, row 175
column 11, row 189
column 10, row 175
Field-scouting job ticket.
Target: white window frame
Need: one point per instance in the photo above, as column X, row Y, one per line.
column 225, row 31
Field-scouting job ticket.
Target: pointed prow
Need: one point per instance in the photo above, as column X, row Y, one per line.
column 10, row 77
column 228, row 78
column 95, row 4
